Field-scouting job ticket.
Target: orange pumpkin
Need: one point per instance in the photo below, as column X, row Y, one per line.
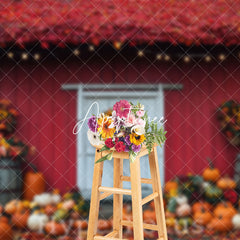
column 220, row 224
column 104, row 224
column 170, row 185
column 34, row 183
column 149, row 214
column 211, row 173
column 55, row 228
column 5, row 229
column 202, row 217
column 50, row 209
column 225, row 183
column 198, row 206
column 224, row 210
column 19, row 219
column 14, row 206
column 80, row 224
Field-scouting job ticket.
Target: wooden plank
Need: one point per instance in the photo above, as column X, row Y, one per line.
column 95, row 198
column 115, row 190
column 107, row 238
column 117, row 198
column 104, row 195
column 145, row 225
column 143, row 180
column 136, row 199
column 149, row 198
column 158, row 201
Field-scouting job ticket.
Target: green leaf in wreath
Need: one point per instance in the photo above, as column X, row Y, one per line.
column 106, row 157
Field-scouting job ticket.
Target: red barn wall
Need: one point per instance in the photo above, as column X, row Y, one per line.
column 48, row 114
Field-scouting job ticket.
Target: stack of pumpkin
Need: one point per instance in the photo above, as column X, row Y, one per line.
column 202, row 204
column 49, row 214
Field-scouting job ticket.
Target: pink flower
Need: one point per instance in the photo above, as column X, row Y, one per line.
column 130, row 121
column 140, row 122
column 140, row 113
column 122, row 108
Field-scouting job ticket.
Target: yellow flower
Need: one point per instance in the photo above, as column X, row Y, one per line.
column 104, row 130
column 136, row 139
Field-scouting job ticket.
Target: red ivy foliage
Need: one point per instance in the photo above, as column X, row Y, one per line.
column 135, row 21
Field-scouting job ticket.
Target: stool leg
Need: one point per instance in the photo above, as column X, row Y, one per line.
column 158, row 202
column 94, row 205
column 117, row 198
column 136, row 199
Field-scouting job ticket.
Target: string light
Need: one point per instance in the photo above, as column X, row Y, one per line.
column 166, row 57
column 140, row 53
column 91, row 48
column 36, row 56
column 10, row 55
column 117, row 45
column 186, row 59
column 159, row 56
column 24, row 56
column 208, row 58
column 222, row 57
column 76, row 52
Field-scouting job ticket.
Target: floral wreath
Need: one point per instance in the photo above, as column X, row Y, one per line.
column 229, row 117
column 126, row 129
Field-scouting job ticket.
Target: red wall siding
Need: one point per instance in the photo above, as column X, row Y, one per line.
column 48, row 114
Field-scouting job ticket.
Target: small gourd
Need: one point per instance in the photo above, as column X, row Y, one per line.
column 236, row 221
column 37, row 221
column 181, row 199
column 183, row 210
column 211, row 173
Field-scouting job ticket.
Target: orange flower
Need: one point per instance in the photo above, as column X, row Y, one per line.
column 104, row 130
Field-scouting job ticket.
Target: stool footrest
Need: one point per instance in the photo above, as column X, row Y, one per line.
column 115, row 190
column 143, row 180
column 107, row 238
column 145, row 225
column 105, row 195
column 149, row 198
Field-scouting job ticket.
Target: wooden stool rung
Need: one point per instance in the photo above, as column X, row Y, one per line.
column 145, row 225
column 107, row 238
column 115, row 190
column 143, row 180
column 149, row 198
column 105, row 195
column 114, row 233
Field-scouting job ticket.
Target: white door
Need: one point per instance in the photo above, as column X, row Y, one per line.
column 153, row 102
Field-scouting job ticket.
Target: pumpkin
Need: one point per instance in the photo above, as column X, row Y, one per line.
column 170, row 222
column 60, row 214
column 220, row 224
column 37, row 221
column 225, row 183
column 149, row 214
column 170, row 185
column 43, row 199
column 236, row 221
column 202, row 217
column 225, row 210
column 54, row 228
column 14, row 206
column 212, row 193
column 80, row 224
column 33, row 183
column 181, row 199
column 50, row 209
column 211, row 173
column 198, row 206
column 5, row 229
column 103, row 224
column 183, row 210
column 19, row 219
column 68, row 204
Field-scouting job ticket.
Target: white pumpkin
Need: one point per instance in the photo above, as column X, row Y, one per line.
column 43, row 199
column 183, row 210
column 36, row 222
column 56, row 198
column 236, row 221
column 205, row 185
column 181, row 199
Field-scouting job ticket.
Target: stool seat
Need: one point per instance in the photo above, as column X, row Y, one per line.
column 100, row 192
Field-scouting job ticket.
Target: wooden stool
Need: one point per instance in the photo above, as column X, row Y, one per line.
column 99, row 192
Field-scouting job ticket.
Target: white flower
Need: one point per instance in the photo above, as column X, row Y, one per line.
column 94, row 138
column 138, row 129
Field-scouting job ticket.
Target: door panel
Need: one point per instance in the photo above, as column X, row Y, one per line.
column 153, row 105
